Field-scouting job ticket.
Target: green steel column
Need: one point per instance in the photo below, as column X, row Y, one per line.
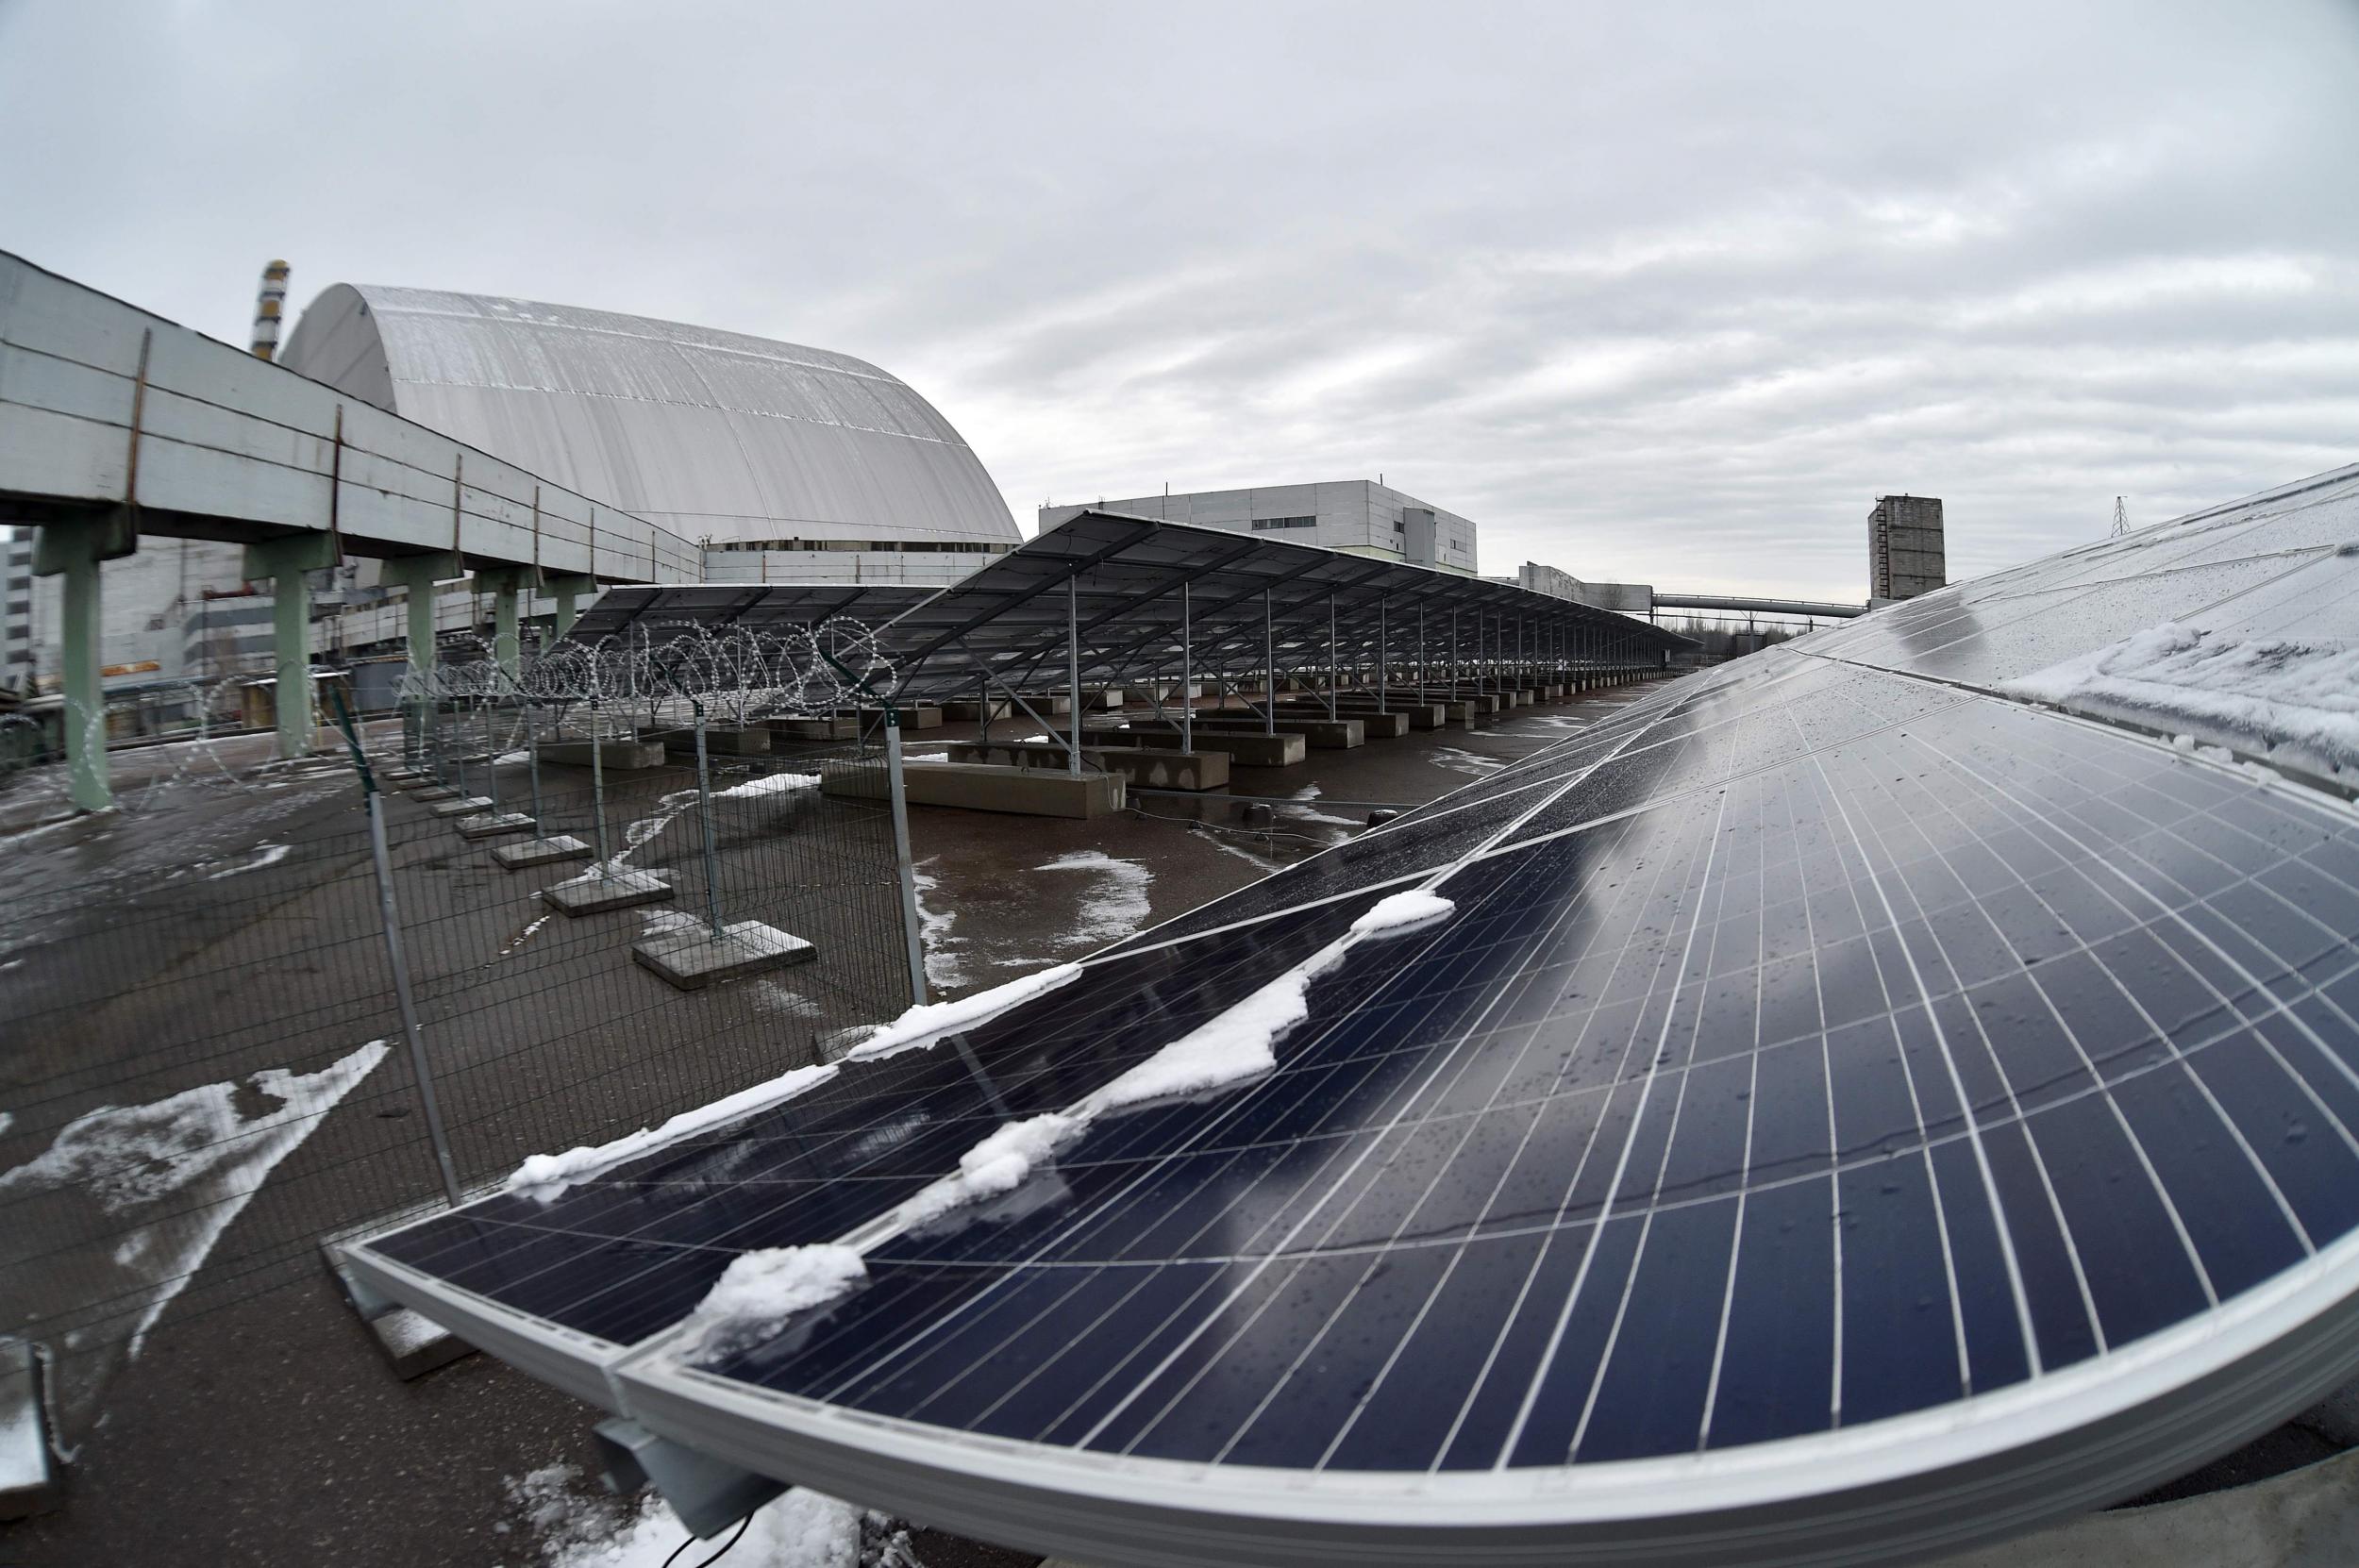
column 285, row 561
column 85, row 704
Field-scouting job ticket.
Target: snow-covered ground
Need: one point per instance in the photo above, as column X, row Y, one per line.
column 568, row 1529
column 1115, row 904
column 173, row 1174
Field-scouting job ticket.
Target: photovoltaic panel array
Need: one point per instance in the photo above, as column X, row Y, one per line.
column 1848, row 1112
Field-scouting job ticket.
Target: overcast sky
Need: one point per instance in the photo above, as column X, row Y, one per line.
column 1653, row 293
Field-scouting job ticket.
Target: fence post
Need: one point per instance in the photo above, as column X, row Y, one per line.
column 598, row 791
column 704, row 810
column 386, row 911
column 912, row 929
column 532, row 762
column 491, row 759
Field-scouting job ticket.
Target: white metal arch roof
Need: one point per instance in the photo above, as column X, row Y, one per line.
column 712, row 434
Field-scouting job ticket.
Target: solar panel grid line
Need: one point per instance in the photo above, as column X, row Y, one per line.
column 624, row 1282
column 1449, row 1438
column 1463, row 1059
column 880, row 1239
column 1521, row 1420
column 2297, row 1078
column 1981, row 1158
column 1892, row 1003
column 2160, row 1033
column 1171, row 1357
column 1605, row 1360
column 2277, row 1006
column 1110, row 1309
column 1745, row 1166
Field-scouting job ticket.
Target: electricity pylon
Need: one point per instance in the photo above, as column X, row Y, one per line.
column 2121, row 518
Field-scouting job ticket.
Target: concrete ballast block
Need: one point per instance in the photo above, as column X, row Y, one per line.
column 693, row 957
column 493, row 825
column 463, row 805
column 28, row 1483
column 594, row 894
column 541, row 852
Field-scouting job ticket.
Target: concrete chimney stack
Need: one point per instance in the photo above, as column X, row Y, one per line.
column 268, row 307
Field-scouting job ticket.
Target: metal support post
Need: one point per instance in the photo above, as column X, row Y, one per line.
column 490, row 761
column 983, row 695
column 1073, row 668
column 1384, row 648
column 1269, row 671
column 420, row 1068
column 598, row 791
column 1334, row 663
column 704, row 810
column 1187, row 697
column 532, row 762
column 913, row 928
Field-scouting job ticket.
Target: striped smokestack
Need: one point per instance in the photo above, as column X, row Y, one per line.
column 267, row 308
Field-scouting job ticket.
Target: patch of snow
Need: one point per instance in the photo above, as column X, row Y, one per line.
column 1119, row 905
column 187, row 1165
column 994, row 1166
column 1304, row 813
column 267, row 855
column 1402, row 911
column 774, row 997
column 759, row 1290
column 771, row 784
column 1234, row 1046
column 545, row 1176
column 1457, row 760
column 934, row 1019
column 2296, row 699
column 944, row 966
column 660, row 921
column 800, row 1528
column 511, row 758
column 8, row 1118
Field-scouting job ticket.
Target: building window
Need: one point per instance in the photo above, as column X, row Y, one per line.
column 1266, row 525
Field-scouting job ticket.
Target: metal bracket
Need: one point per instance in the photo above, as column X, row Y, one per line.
column 708, row 1494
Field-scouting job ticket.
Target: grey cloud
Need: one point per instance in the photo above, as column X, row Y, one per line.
column 1663, row 292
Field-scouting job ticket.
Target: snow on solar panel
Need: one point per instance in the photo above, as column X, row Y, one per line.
column 1844, row 1114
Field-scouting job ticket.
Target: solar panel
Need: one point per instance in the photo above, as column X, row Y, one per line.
column 1846, row 1114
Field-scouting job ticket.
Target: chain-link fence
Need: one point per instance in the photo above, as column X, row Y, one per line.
column 207, row 1070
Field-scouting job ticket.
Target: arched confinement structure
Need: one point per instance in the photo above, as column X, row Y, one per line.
column 792, row 464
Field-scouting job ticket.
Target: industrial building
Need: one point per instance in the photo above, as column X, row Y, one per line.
column 789, row 463
column 1361, row 517
column 1904, row 551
